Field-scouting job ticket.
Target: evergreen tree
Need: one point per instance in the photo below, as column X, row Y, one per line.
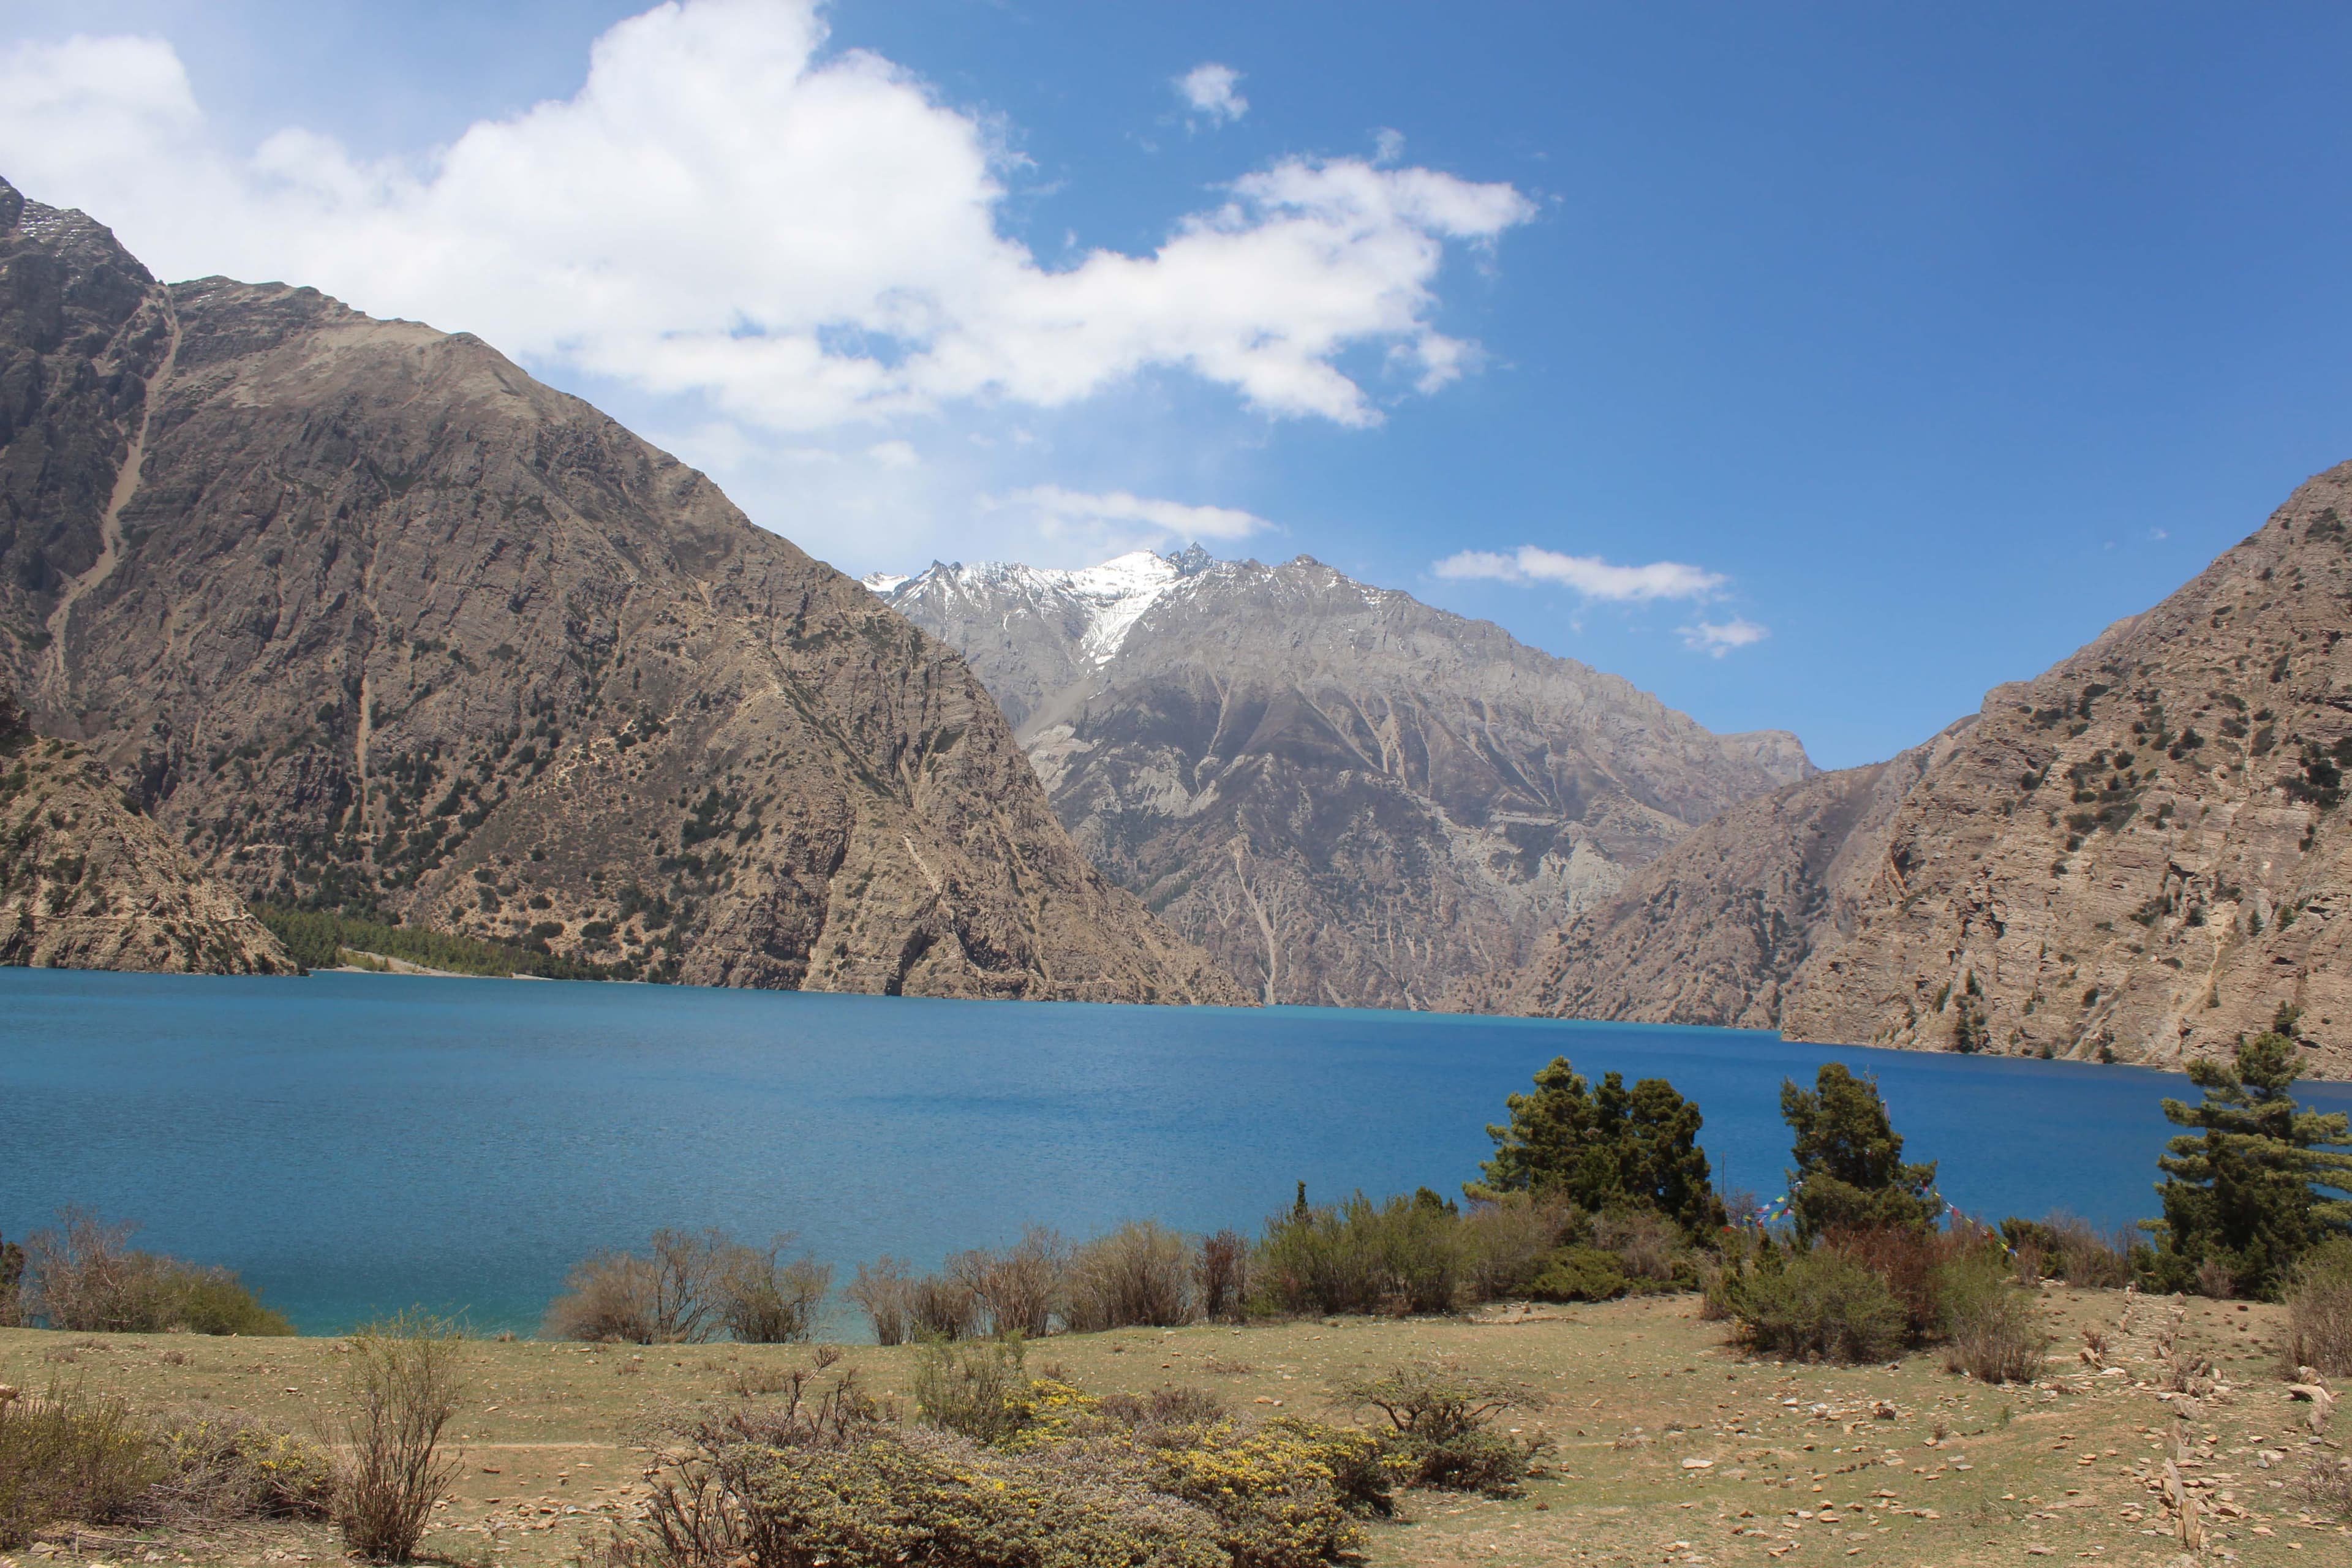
column 2242, row 1190
column 1850, row 1169
column 1607, row 1148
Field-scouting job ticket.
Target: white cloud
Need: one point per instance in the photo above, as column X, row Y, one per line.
column 1209, row 88
column 1058, row 510
column 805, row 240
column 1588, row 574
column 895, row 454
column 1388, row 145
column 1716, row 639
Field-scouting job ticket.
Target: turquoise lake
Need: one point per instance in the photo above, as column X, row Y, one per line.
column 356, row 1143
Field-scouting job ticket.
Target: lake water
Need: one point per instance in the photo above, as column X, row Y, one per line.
column 354, row 1144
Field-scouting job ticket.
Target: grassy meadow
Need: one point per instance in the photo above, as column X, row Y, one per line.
column 1672, row 1445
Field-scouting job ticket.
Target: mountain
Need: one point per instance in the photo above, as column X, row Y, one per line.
column 367, row 617
column 86, row 882
column 2138, row 856
column 1347, row 797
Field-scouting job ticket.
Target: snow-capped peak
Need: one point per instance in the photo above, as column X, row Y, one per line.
column 1110, row 597
column 883, row 583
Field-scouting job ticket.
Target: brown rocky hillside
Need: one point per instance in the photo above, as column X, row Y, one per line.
column 364, row 615
column 86, row 882
column 2136, row 857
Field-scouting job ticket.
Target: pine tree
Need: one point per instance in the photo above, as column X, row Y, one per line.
column 1850, row 1171
column 2243, row 1191
column 1607, row 1148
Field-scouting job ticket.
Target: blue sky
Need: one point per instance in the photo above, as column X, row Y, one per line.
column 1905, row 347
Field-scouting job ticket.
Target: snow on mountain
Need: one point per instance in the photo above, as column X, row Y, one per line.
column 1101, row 603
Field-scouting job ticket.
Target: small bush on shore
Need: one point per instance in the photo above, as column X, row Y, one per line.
column 1139, row 1276
column 2319, row 1311
column 879, row 1290
column 688, row 1287
column 1579, row 1274
column 941, row 1307
column 1224, row 1277
column 85, row 1277
column 1402, row 1256
column 1020, row 1287
column 1816, row 1304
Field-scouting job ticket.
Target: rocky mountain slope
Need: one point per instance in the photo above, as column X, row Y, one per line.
column 86, row 882
column 365, row 616
column 1347, row 797
column 2135, row 857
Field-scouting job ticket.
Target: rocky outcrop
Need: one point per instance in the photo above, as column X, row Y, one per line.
column 86, row 882
column 2136, row 857
column 365, row 616
column 1346, row 796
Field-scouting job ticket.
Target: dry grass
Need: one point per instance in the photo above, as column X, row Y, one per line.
column 550, row 1429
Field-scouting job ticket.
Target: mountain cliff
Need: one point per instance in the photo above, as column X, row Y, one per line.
column 367, row 617
column 1347, row 797
column 2136, row 857
column 86, row 882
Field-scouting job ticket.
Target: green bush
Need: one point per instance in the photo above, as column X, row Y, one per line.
column 978, row 1389
column 220, row 1467
column 1440, row 1425
column 1141, row 1275
column 70, row 1456
column 1579, row 1274
column 1163, row 1481
column 1816, row 1304
column 1992, row 1326
column 84, row 1276
column 1406, row 1255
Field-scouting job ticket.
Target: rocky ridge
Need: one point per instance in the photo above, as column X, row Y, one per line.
column 367, row 617
column 2138, row 856
column 1347, row 797
column 86, row 882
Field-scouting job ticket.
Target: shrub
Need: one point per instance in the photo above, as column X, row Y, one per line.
column 2319, row 1311
column 70, row 1456
column 12, row 1285
column 2326, row 1487
column 1019, row 1286
column 1916, row 1266
column 1225, row 1275
column 222, row 1467
column 1993, row 1326
column 686, row 1287
column 85, row 1277
column 1157, row 1482
column 1579, row 1274
column 980, row 1390
column 1648, row 1246
column 879, row 1290
column 2065, row 1247
column 401, row 1388
column 1817, row 1303
column 1139, row 1276
column 1441, row 1425
column 766, row 1300
column 1403, row 1256
column 941, row 1307
column 1506, row 1241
